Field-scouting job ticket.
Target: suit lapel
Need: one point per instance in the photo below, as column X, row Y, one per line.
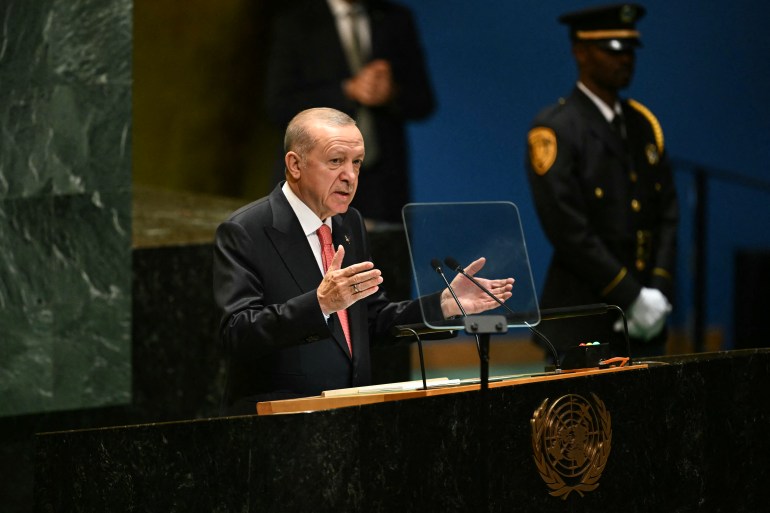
column 291, row 243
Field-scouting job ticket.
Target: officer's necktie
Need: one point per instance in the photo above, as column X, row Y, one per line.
column 619, row 125
column 327, row 254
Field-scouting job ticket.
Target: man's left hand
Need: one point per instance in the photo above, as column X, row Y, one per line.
column 473, row 299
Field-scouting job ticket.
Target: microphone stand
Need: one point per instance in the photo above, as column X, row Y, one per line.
column 415, row 330
column 483, row 326
column 422, row 359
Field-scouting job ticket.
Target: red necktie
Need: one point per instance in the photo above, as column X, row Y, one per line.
column 327, row 254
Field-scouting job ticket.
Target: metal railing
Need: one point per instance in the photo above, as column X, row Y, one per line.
column 702, row 174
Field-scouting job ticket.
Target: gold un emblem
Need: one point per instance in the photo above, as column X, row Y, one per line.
column 571, row 441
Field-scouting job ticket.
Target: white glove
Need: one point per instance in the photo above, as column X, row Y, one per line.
column 635, row 329
column 647, row 314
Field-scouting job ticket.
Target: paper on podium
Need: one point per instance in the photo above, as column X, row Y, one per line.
column 403, row 386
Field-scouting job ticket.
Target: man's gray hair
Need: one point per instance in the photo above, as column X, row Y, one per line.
column 299, row 139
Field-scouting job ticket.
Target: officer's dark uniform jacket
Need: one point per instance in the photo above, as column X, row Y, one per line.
column 607, row 205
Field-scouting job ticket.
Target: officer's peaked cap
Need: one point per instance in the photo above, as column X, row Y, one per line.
column 612, row 27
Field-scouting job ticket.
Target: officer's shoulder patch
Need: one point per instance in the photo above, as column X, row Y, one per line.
column 656, row 128
column 542, row 149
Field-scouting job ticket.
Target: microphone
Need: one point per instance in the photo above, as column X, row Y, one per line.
column 436, row 264
column 454, row 264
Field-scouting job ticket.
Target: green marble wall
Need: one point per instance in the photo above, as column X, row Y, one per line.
column 65, row 204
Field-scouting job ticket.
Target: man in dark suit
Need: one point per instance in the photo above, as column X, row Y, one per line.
column 604, row 192
column 290, row 329
column 368, row 64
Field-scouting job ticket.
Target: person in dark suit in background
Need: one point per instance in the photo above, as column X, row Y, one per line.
column 289, row 328
column 604, row 191
column 363, row 57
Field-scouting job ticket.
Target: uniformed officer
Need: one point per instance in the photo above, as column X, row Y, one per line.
column 604, row 192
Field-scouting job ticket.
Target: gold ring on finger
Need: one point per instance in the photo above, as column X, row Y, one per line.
column 355, row 288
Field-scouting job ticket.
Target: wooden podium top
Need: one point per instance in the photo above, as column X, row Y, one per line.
column 390, row 392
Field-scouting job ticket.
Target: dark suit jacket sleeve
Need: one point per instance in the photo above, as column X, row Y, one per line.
column 256, row 319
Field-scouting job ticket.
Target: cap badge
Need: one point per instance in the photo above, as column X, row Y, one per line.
column 627, row 13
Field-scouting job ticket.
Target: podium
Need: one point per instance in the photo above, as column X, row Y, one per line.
column 679, row 433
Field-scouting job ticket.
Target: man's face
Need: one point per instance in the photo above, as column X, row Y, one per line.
column 328, row 175
column 606, row 69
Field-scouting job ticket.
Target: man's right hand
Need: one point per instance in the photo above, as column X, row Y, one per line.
column 340, row 288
